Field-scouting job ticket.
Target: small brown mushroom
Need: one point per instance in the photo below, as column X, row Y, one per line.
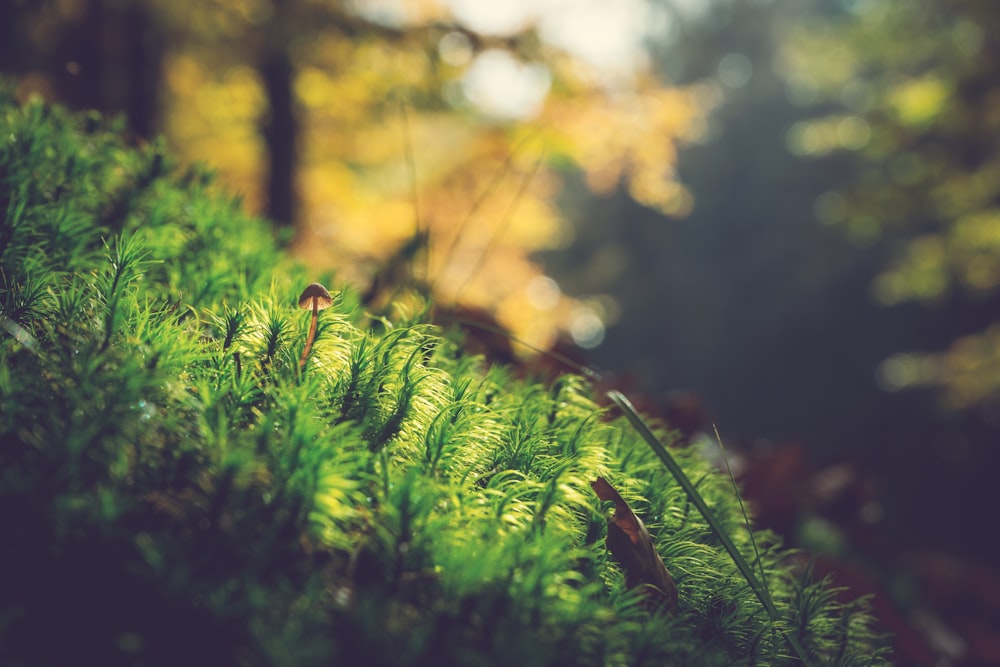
column 317, row 298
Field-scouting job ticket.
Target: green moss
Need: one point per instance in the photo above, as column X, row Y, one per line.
column 175, row 490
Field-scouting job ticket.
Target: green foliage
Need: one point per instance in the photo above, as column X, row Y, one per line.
column 174, row 489
column 912, row 92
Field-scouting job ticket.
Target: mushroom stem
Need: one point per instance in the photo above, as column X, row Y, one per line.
column 316, row 297
column 312, row 332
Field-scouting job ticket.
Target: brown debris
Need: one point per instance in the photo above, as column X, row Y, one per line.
column 630, row 542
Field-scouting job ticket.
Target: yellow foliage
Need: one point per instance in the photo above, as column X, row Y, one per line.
column 975, row 245
column 919, row 101
column 921, row 274
column 485, row 191
column 631, row 139
column 968, row 190
column 970, row 369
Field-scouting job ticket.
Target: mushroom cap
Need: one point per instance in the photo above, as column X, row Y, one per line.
column 317, row 292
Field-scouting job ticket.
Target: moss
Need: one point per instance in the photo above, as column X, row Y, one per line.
column 175, row 489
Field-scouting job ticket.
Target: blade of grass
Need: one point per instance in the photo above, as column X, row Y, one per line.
column 759, row 590
column 743, row 509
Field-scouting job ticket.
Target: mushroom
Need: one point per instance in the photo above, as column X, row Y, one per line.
column 317, row 298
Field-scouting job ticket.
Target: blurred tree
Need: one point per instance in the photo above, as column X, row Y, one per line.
column 912, row 90
column 97, row 54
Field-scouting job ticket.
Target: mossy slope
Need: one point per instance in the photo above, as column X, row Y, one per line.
column 175, row 490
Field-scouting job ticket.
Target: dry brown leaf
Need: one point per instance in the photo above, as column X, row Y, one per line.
column 630, row 542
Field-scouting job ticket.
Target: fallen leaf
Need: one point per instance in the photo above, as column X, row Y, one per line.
column 629, row 542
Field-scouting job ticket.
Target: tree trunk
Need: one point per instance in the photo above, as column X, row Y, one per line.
column 143, row 50
column 280, row 132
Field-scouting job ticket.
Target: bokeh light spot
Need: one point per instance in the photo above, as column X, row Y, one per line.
column 853, row 132
column 492, row 18
column 919, row 101
column 543, row 293
column 735, row 70
column 898, row 372
column 500, row 85
column 604, row 34
column 586, row 328
column 455, row 49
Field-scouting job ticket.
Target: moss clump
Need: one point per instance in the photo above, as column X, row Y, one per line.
column 174, row 489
